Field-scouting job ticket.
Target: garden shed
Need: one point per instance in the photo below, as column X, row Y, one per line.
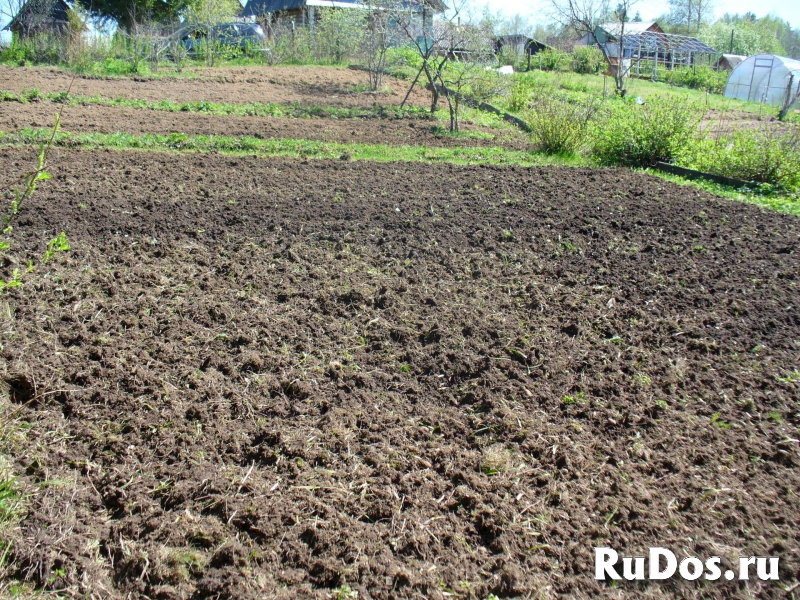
column 728, row 62
column 765, row 78
column 40, row 16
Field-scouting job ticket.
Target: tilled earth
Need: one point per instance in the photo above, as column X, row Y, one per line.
column 314, row 85
column 15, row 116
column 271, row 378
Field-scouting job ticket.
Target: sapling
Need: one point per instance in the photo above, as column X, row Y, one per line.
column 22, row 190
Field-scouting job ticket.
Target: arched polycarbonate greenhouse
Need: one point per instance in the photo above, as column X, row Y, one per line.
column 765, row 78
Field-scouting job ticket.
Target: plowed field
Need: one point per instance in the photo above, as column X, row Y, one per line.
column 402, row 379
column 273, row 378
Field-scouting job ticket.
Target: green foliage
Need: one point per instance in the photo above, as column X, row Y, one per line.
column 587, row 60
column 10, row 497
column 35, row 50
column 634, row 135
column 697, row 78
column 749, row 36
column 127, row 12
column 57, row 244
column 403, row 62
column 550, row 60
column 558, row 125
column 520, row 96
column 339, row 34
column 769, row 155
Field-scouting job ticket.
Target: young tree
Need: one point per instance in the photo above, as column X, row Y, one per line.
column 338, row 34
column 375, row 44
column 468, row 51
column 584, row 16
column 208, row 14
column 428, row 39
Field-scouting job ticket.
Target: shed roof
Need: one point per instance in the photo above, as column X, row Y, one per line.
column 732, row 60
column 55, row 12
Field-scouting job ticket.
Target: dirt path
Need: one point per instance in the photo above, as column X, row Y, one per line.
column 274, row 378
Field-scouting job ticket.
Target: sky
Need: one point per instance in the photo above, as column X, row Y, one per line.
column 537, row 10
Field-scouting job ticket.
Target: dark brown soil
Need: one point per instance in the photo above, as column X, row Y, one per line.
column 101, row 119
column 270, row 378
column 314, row 85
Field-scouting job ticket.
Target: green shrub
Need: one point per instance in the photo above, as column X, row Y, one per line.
column 520, row 96
column 640, row 135
column 549, row 60
column 769, row 154
column 587, row 60
column 698, row 78
column 403, row 62
column 558, row 125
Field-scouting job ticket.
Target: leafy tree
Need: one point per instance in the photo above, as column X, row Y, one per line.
column 209, row 14
column 749, row 36
column 339, row 34
column 127, row 12
column 584, row 16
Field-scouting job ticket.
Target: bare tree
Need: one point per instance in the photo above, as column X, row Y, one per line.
column 433, row 41
column 689, row 15
column 584, row 16
column 376, row 42
column 791, row 97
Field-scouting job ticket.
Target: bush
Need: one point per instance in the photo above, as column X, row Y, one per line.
column 559, row 126
column 587, row 60
column 338, row 35
column 769, row 154
column 549, row 60
column 698, row 78
column 403, row 62
column 520, row 96
column 640, row 135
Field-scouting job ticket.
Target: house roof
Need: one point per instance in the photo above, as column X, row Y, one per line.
column 56, row 12
column 262, row 7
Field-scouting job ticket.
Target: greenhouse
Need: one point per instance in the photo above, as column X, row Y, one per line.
column 765, row 78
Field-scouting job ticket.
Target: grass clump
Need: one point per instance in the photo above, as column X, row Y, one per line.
column 496, row 459
column 640, row 135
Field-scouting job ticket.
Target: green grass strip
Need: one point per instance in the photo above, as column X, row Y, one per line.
column 286, row 147
column 309, row 149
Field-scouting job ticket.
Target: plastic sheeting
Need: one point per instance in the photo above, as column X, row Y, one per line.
column 764, row 78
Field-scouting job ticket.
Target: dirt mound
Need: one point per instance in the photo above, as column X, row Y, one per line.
column 271, row 378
